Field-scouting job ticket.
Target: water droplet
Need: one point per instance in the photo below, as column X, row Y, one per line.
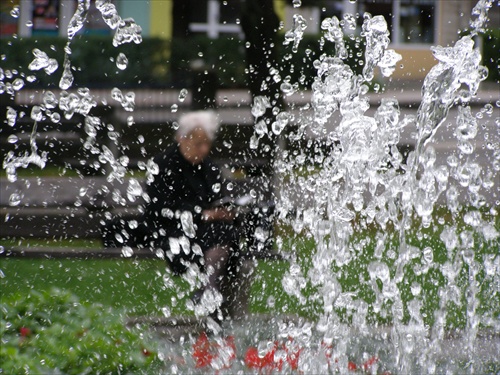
column 187, row 224
column 15, row 12
column 167, row 212
column 51, row 66
column 488, row 109
column 127, row 251
column 41, row 60
column 55, row 117
column 121, row 61
column 49, row 99
column 473, row 218
column 67, row 77
column 165, row 311
column 36, row 113
column 12, row 138
column 254, row 142
column 134, row 190
column 18, row 84
column 260, row 105
column 416, row 288
column 174, row 108
column 287, row 88
column 427, row 255
column 11, row 116
column 15, row 199
column 182, row 95
column 296, row 33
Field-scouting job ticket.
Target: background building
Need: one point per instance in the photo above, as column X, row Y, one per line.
column 415, row 24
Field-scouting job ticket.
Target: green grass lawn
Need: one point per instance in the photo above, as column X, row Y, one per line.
column 137, row 286
column 142, row 287
column 145, row 287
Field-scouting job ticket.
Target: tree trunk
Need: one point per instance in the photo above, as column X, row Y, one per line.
column 260, row 25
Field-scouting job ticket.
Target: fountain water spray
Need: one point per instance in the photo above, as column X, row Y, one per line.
column 367, row 200
column 364, row 185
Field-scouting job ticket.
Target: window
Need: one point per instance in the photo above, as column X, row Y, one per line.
column 410, row 21
column 220, row 17
column 95, row 23
column 45, row 17
column 416, row 22
column 9, row 17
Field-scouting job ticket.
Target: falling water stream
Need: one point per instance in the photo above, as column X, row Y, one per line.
column 370, row 201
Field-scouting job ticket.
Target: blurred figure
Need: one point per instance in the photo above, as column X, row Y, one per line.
column 181, row 216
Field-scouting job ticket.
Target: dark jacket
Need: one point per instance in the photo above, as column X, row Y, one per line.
column 180, row 186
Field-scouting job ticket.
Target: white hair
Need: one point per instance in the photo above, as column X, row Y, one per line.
column 205, row 120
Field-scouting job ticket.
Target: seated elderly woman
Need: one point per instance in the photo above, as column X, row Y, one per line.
column 182, row 215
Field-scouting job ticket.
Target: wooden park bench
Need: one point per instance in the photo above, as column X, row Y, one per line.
column 78, row 206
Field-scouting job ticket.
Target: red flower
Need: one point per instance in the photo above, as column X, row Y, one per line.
column 201, row 351
column 25, row 331
column 205, row 351
column 252, row 358
column 268, row 361
column 369, row 363
column 292, row 354
column 351, row 366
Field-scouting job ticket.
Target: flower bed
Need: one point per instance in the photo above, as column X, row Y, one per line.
column 52, row 332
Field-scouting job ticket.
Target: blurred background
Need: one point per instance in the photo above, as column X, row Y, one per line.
column 182, row 35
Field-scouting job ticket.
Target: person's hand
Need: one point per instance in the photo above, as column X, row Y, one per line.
column 217, row 214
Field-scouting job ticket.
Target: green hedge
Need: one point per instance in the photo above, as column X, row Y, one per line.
column 157, row 62
column 162, row 63
column 491, row 56
column 91, row 58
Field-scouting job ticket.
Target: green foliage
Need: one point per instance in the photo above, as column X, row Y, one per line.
column 168, row 63
column 93, row 60
column 162, row 63
column 53, row 332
